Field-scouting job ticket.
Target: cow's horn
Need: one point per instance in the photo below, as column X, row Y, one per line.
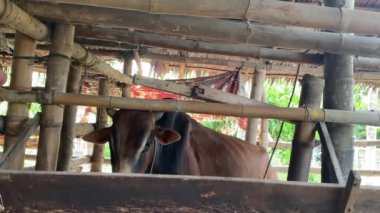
column 158, row 115
column 111, row 112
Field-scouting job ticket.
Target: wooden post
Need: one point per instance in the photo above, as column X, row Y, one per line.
column 304, row 135
column 256, row 94
column 127, row 69
column 56, row 79
column 101, row 122
column 138, row 62
column 264, row 139
column 21, row 79
column 338, row 94
column 70, row 112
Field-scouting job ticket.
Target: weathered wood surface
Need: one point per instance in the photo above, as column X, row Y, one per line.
column 222, row 30
column 19, row 142
column 264, row 11
column 331, row 156
column 199, row 92
column 45, row 191
column 304, row 134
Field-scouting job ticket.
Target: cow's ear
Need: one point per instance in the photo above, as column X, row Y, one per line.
column 99, row 136
column 167, row 136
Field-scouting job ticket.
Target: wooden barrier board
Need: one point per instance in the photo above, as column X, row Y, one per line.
column 68, row 192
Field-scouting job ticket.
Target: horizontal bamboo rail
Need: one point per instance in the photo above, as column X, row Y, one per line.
column 21, row 21
column 166, row 41
column 264, row 11
column 221, row 30
column 360, row 62
column 317, row 170
column 357, row 143
column 238, row 110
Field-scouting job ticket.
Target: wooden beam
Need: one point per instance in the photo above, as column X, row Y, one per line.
column 238, row 110
column 331, row 156
column 264, row 11
column 18, row 144
column 171, row 193
column 199, row 92
column 222, row 30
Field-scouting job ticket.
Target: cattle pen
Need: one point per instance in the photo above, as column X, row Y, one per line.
column 329, row 45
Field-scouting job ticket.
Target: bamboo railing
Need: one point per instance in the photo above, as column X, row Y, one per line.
column 264, row 11
column 221, row 30
column 238, row 110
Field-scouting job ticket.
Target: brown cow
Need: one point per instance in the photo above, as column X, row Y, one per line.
column 174, row 143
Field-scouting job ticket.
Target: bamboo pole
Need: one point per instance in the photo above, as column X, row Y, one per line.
column 264, row 11
column 67, row 134
column 338, row 94
column 264, row 140
column 304, row 135
column 238, row 110
column 165, row 41
column 221, row 30
column 127, row 69
column 245, row 50
column 20, row 20
column 101, row 122
column 256, row 94
column 18, row 145
column 137, row 58
column 21, row 79
column 182, row 71
column 56, row 79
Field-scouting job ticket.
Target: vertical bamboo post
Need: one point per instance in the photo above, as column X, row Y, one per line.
column 264, row 140
column 338, row 94
column 101, row 122
column 70, row 112
column 304, row 135
column 127, row 69
column 21, row 79
column 138, row 62
column 182, row 71
column 256, row 94
column 58, row 66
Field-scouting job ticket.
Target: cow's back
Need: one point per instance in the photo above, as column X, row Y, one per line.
column 223, row 155
column 202, row 151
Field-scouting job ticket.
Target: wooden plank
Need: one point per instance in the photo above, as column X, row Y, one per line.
column 140, row 193
column 326, row 140
column 199, row 92
column 350, row 192
column 19, row 142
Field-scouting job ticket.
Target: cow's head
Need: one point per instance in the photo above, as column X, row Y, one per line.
column 130, row 136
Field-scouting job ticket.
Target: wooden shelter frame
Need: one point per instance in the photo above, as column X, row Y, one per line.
column 58, row 191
